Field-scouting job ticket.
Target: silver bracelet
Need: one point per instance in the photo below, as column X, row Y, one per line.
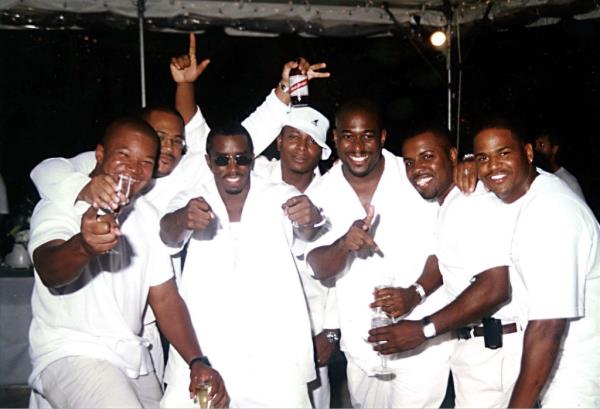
column 468, row 156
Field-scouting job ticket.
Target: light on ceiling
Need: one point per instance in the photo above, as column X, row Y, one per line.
column 438, row 38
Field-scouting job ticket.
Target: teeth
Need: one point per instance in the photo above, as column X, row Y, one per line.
column 360, row 158
column 498, row 177
column 423, row 180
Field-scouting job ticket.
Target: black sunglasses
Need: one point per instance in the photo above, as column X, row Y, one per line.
column 240, row 160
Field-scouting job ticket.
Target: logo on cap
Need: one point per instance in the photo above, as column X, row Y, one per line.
column 316, row 122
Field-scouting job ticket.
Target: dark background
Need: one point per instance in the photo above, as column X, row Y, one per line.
column 58, row 89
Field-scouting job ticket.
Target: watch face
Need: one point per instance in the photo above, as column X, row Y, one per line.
column 332, row 337
column 429, row 330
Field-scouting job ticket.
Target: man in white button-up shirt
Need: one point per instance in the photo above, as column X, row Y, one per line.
column 240, row 280
column 380, row 229
column 475, row 275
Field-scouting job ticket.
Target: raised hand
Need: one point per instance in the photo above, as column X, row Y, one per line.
column 311, row 71
column 358, row 238
column 101, row 190
column 100, row 234
column 301, row 211
column 465, row 175
column 185, row 68
column 197, row 214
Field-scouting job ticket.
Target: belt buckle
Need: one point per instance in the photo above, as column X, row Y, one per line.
column 464, row 333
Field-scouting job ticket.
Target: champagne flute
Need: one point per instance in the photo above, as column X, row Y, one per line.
column 380, row 319
column 123, row 188
column 202, row 392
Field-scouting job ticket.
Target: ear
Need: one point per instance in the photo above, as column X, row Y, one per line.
column 335, row 137
column 529, row 152
column 555, row 149
column 208, row 161
column 279, row 138
column 383, row 136
column 453, row 156
column 99, row 154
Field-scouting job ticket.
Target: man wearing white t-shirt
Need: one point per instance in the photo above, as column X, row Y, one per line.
column 547, row 149
column 475, row 275
column 381, row 229
column 240, row 280
column 94, row 277
column 557, row 259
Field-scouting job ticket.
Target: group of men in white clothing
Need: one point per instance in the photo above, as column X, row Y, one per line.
column 500, row 286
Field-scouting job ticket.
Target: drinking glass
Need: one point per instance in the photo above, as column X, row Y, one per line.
column 202, row 391
column 380, row 319
column 123, row 187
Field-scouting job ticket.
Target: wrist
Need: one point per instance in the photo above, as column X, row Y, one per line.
column 199, row 359
column 420, row 292
column 332, row 335
column 429, row 330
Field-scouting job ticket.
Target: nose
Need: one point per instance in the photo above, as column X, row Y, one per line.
column 358, row 144
column 166, row 144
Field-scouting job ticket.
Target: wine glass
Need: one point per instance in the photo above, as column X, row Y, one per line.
column 380, row 319
column 202, row 391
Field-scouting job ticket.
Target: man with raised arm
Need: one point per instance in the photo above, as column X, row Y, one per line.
column 556, row 257
column 95, row 274
column 240, row 280
column 475, row 274
column 381, row 229
column 301, row 143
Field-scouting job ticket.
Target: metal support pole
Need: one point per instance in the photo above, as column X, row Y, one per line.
column 141, row 7
column 449, row 69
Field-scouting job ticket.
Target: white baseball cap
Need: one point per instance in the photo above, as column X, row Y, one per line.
column 312, row 122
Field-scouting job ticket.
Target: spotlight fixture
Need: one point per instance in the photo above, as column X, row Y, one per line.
column 438, row 38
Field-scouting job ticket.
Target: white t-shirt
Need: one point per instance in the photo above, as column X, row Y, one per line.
column 556, row 255
column 570, row 180
column 100, row 314
column 244, row 295
column 405, row 235
column 3, row 197
column 473, row 235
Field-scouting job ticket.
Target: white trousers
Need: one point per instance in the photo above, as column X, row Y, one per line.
column 485, row 378
column 81, row 382
column 319, row 389
column 413, row 386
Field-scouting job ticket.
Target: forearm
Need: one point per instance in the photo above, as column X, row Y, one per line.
column 431, row 277
column 490, row 290
column 174, row 319
column 185, row 100
column 59, row 262
column 540, row 350
column 173, row 231
column 328, row 261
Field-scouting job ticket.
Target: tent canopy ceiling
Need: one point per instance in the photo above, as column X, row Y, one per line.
column 338, row 18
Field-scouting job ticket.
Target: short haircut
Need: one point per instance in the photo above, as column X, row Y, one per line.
column 502, row 122
column 440, row 131
column 360, row 105
column 133, row 122
column 146, row 112
column 553, row 134
column 228, row 128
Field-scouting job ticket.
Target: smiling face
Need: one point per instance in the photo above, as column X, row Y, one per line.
column 170, row 130
column 504, row 163
column 230, row 159
column 359, row 140
column 298, row 151
column 429, row 162
column 129, row 150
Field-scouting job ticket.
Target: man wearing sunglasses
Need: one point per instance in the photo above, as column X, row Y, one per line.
column 240, row 280
column 301, row 143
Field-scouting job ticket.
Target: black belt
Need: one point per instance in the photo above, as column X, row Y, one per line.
column 469, row 332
